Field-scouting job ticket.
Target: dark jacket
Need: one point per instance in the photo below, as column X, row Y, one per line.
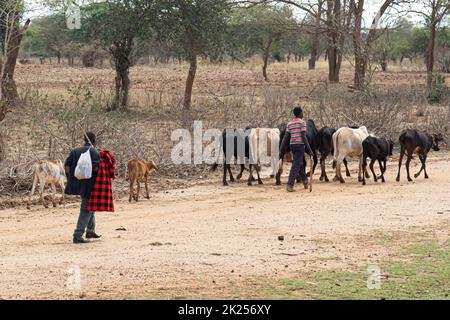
column 77, row 187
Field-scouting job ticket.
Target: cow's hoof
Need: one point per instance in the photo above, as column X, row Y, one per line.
column 410, row 180
column 342, row 181
column 278, row 184
column 260, row 182
column 28, row 208
column 427, row 177
column 416, row 176
column 272, row 176
column 398, row 179
column 239, row 177
column 364, row 183
column 349, row 175
column 250, row 184
column 225, row 184
column 335, row 179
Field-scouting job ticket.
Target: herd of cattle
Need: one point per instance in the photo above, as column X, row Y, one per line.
column 343, row 144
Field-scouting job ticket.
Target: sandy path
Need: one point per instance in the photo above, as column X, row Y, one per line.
column 206, row 239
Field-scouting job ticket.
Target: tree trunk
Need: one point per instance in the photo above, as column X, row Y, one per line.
column 333, row 33
column 266, row 55
column 360, row 57
column 315, row 39
column 265, row 64
column 120, row 53
column 431, row 49
column 190, row 80
column 8, row 88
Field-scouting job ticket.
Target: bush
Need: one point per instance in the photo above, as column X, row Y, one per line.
column 439, row 90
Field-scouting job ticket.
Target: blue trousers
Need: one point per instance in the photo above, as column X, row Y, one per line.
column 298, row 167
column 85, row 220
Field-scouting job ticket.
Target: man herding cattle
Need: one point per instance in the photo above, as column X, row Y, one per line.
column 296, row 133
column 83, row 188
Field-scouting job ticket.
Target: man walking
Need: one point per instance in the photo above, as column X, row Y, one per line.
column 297, row 130
column 83, row 188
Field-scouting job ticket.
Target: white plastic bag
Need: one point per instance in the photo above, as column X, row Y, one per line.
column 83, row 170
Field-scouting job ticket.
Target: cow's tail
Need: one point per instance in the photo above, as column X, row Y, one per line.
column 215, row 166
column 336, row 149
column 127, row 174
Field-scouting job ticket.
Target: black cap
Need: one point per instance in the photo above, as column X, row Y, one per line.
column 90, row 137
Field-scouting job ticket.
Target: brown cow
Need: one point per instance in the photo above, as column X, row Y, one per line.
column 138, row 171
column 48, row 172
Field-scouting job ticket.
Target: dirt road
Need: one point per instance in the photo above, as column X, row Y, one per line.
column 210, row 241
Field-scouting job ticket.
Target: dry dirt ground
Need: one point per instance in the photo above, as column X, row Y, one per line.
column 211, row 241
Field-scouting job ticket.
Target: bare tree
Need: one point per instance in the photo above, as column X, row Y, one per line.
column 433, row 12
column 364, row 44
column 11, row 36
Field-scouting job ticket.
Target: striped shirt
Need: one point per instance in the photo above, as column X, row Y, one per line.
column 295, row 128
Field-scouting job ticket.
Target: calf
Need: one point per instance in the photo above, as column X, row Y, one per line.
column 419, row 143
column 48, row 172
column 325, row 148
column 377, row 150
column 138, row 171
column 348, row 142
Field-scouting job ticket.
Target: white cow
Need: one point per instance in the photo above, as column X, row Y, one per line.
column 48, row 172
column 264, row 147
column 348, row 142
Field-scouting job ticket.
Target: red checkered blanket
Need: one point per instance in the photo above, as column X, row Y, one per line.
column 101, row 199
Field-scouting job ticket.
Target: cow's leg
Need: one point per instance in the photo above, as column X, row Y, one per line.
column 316, row 161
column 408, row 162
column 138, row 191
column 423, row 160
column 231, row 173
column 225, row 168
column 42, row 187
column 239, row 177
column 280, row 172
column 425, row 166
column 400, row 163
column 372, row 163
column 54, row 195
column 347, row 171
column 364, row 167
column 383, row 167
column 361, row 172
column 338, row 171
column 258, row 169
column 33, row 188
column 146, row 187
column 131, row 189
column 250, row 180
column 63, row 187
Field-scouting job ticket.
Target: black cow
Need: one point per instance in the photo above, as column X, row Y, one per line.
column 325, row 148
column 238, row 137
column 419, row 143
column 312, row 135
column 377, row 149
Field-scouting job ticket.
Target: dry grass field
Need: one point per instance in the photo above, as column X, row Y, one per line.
column 197, row 239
